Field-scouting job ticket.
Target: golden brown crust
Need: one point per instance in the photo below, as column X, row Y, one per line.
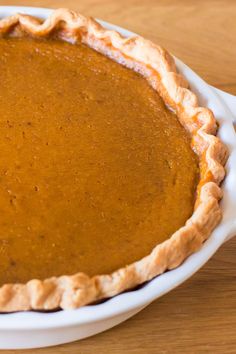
column 153, row 62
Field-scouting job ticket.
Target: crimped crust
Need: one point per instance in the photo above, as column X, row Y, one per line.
column 153, row 62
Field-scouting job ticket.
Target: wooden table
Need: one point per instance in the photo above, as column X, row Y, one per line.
column 199, row 316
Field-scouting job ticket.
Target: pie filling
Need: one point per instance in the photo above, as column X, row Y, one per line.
column 94, row 169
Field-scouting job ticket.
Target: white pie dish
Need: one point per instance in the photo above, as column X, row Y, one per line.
column 32, row 329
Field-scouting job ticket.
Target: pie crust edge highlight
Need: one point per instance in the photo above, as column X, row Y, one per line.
column 158, row 67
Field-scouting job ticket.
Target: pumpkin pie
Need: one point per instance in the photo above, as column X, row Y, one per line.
column 109, row 169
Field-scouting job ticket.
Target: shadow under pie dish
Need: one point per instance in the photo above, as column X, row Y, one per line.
column 98, row 176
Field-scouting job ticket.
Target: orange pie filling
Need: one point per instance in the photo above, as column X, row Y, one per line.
column 94, row 169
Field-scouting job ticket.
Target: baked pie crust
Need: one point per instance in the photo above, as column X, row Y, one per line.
column 158, row 67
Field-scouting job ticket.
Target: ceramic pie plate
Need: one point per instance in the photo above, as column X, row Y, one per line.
column 36, row 329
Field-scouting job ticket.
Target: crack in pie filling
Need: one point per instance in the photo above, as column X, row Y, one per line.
column 102, row 187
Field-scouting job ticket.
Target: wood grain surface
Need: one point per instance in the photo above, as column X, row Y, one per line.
column 200, row 315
